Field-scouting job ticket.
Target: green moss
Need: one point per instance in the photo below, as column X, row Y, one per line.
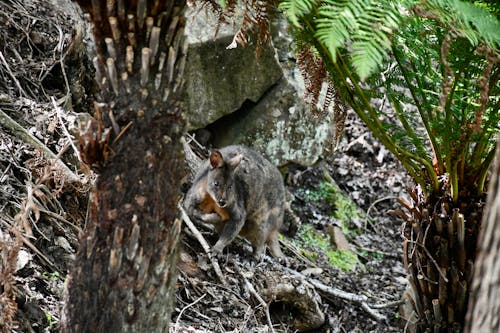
column 345, row 260
column 54, row 276
column 344, row 211
column 51, row 320
column 310, row 237
column 309, row 195
column 345, row 208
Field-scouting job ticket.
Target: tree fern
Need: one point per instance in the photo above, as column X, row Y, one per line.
column 436, row 62
column 367, row 26
column 469, row 20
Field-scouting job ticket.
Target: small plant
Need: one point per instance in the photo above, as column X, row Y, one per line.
column 52, row 321
column 345, row 208
column 375, row 255
column 309, row 195
column 345, row 260
column 54, row 276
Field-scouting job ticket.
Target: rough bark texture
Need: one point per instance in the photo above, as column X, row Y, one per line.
column 124, row 272
column 484, row 302
column 439, row 253
column 445, row 274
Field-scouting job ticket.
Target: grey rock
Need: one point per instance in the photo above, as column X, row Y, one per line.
column 246, row 100
column 280, row 126
column 218, row 80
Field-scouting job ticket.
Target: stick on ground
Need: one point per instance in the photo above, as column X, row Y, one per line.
column 203, row 243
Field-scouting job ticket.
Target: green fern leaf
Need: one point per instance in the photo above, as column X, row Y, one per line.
column 468, row 19
column 295, row 9
column 371, row 42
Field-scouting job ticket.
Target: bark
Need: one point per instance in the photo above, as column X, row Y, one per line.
column 299, row 298
column 484, row 302
column 124, row 273
column 439, row 253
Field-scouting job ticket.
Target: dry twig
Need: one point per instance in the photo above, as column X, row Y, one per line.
column 59, row 112
column 252, row 291
column 176, row 326
column 27, row 137
column 203, row 244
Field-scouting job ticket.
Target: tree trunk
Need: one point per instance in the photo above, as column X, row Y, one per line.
column 124, row 273
column 442, row 243
column 439, row 253
column 484, row 301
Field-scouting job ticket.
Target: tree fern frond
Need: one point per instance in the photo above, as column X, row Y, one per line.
column 371, row 42
column 367, row 24
column 337, row 21
column 365, row 57
column 468, row 19
column 294, row 9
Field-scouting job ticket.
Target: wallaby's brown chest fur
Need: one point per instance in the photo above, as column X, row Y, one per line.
column 208, row 205
column 240, row 192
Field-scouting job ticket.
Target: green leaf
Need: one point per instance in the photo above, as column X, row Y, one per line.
column 295, row 9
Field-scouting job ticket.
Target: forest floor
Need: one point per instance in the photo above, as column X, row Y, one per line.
column 326, row 282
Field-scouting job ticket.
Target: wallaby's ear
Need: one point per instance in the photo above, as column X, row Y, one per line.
column 216, row 160
column 235, row 161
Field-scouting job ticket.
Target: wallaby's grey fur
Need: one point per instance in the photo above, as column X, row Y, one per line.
column 240, row 192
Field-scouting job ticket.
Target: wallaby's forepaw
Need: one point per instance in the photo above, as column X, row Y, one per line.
column 258, row 258
column 217, row 249
column 211, row 218
column 284, row 261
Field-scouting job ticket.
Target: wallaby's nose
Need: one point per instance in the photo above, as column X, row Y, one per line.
column 222, row 202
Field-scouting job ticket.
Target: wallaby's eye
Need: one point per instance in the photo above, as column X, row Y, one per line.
column 216, row 184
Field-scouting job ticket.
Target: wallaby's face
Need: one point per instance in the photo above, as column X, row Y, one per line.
column 221, row 179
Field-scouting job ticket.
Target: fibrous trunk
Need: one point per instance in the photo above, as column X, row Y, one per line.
column 484, row 304
column 439, row 252
column 124, row 272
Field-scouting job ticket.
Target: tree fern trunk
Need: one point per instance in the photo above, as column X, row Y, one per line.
column 484, row 304
column 124, row 272
column 439, row 253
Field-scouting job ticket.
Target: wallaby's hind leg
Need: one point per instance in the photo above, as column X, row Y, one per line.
column 259, row 246
column 274, row 245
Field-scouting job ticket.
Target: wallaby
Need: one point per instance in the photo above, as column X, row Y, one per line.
column 240, row 192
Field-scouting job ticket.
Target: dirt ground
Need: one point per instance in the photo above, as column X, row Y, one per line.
column 43, row 210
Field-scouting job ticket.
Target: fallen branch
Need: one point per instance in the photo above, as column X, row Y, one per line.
column 298, row 295
column 387, row 305
column 367, row 219
column 59, row 112
column 197, row 234
column 62, row 219
column 24, row 135
column 252, row 291
column 14, row 78
column 335, row 292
